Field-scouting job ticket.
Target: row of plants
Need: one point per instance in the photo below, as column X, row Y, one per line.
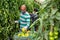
column 49, row 20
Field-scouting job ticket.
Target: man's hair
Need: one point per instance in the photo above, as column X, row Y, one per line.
column 35, row 9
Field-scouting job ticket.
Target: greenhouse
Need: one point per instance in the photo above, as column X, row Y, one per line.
column 29, row 19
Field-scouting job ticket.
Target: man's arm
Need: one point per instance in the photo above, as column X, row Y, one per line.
column 17, row 21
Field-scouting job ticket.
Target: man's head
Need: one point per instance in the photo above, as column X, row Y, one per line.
column 23, row 8
column 35, row 10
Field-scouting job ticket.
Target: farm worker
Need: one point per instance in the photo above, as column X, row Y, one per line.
column 34, row 16
column 24, row 18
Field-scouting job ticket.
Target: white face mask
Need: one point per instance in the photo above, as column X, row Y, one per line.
column 35, row 12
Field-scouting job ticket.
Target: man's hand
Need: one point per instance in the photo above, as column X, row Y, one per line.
column 16, row 21
column 24, row 29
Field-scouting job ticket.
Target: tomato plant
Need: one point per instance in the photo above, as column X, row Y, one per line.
column 48, row 21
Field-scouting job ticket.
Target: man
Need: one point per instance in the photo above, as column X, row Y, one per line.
column 24, row 18
column 34, row 16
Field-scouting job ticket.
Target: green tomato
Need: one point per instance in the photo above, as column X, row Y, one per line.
column 51, row 38
column 56, row 37
column 50, row 33
column 55, row 28
column 55, row 33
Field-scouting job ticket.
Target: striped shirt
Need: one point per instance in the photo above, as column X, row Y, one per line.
column 24, row 20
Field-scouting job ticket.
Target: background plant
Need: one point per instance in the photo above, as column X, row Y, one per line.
column 49, row 17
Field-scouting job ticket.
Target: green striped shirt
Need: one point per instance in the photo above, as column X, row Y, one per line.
column 24, row 20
